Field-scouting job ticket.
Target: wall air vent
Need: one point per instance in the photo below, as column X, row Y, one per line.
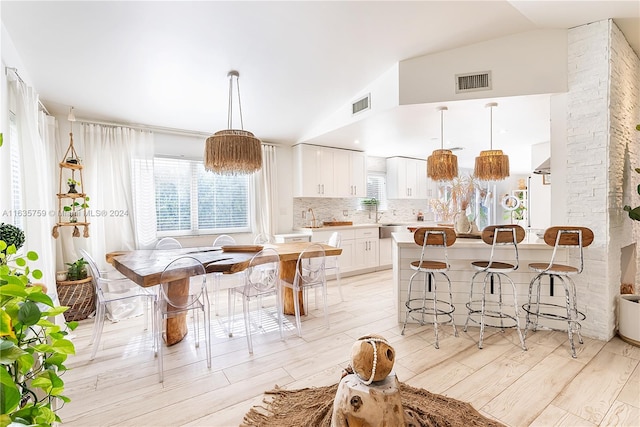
column 361, row 104
column 473, row 82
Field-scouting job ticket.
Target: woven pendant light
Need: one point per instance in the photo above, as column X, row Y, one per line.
column 491, row 165
column 233, row 151
column 442, row 165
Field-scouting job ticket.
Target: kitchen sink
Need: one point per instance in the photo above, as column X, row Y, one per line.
column 387, row 229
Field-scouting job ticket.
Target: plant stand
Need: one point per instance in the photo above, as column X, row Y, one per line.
column 69, row 166
column 79, row 296
column 629, row 318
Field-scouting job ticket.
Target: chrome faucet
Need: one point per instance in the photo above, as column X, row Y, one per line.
column 313, row 218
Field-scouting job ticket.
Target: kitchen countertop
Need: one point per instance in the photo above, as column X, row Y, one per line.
column 366, row 225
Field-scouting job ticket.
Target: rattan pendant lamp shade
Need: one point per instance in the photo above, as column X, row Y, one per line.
column 233, row 151
column 442, row 165
column 491, row 165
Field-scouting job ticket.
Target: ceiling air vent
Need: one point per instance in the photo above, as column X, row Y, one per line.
column 473, row 82
column 361, row 104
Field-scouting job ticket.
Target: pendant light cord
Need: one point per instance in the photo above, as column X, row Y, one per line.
column 230, row 106
column 491, row 105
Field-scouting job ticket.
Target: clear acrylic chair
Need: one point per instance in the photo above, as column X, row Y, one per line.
column 489, row 308
column 426, row 307
column 114, row 291
column 310, row 273
column 262, row 279
column 545, row 307
column 263, row 238
column 220, row 241
column 183, row 287
column 332, row 263
column 168, row 243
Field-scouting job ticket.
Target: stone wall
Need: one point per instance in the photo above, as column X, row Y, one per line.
column 602, row 107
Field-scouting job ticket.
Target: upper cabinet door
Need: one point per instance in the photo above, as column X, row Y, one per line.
column 350, row 173
column 328, row 172
column 406, row 178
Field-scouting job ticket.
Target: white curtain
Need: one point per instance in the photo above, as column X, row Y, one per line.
column 111, row 156
column 265, row 191
column 37, row 137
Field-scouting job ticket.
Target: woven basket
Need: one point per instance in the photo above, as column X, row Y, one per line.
column 79, row 296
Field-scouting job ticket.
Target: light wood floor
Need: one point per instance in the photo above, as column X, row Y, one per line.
column 543, row 386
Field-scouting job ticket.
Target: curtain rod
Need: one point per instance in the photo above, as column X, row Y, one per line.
column 15, row 71
column 161, row 129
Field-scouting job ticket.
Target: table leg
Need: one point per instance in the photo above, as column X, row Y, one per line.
column 288, row 274
column 176, row 327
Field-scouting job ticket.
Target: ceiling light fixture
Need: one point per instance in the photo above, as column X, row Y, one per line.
column 491, row 165
column 233, row 151
column 442, row 165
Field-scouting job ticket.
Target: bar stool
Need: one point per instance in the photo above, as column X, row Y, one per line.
column 542, row 308
column 494, row 271
column 433, row 238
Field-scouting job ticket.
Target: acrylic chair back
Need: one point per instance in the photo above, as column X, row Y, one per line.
column 168, row 243
column 332, row 263
column 220, row 241
column 310, row 269
column 263, row 238
column 223, row 240
column 183, row 283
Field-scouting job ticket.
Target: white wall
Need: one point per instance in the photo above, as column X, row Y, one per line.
column 528, row 63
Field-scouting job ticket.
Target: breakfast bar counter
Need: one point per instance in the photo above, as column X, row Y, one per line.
column 463, row 252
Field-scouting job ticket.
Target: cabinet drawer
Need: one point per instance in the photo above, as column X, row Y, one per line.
column 367, row 233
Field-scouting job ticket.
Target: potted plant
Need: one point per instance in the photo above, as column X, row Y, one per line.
column 629, row 304
column 33, row 349
column 72, row 185
column 13, row 237
column 74, row 207
column 77, row 291
column 77, row 270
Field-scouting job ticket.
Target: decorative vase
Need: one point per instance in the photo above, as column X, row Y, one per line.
column 72, row 189
column 461, row 223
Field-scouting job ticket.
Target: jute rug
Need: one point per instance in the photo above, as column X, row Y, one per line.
column 313, row 407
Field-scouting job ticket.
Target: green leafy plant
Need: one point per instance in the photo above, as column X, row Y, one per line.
column 634, row 213
column 75, row 206
column 77, row 270
column 12, row 236
column 32, row 348
column 370, row 202
column 72, row 181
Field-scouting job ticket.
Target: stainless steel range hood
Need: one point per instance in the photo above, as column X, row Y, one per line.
column 544, row 168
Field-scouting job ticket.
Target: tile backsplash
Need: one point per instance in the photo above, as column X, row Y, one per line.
column 343, row 209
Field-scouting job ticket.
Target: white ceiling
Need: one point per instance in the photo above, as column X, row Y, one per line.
column 165, row 64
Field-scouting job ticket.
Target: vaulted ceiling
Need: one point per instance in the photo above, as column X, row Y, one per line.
column 165, row 63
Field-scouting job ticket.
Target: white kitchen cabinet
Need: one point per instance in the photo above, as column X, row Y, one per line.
column 350, row 173
column 313, row 171
column 328, row 172
column 407, row 178
column 365, row 253
column 385, row 252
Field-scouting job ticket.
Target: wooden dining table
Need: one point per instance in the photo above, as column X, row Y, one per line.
column 145, row 267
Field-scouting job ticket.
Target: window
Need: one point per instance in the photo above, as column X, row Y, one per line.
column 190, row 200
column 377, row 189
